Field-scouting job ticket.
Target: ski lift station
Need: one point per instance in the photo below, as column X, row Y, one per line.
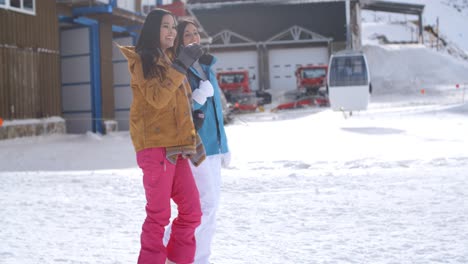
column 62, row 70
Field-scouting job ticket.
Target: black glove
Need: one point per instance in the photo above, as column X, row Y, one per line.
column 206, row 59
column 187, row 56
column 198, row 118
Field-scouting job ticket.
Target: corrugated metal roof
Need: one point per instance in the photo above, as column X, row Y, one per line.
column 199, row 4
column 392, row 7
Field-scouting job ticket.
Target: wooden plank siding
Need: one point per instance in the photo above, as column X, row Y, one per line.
column 107, row 71
column 30, row 63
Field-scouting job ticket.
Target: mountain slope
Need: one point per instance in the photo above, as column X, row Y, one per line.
column 451, row 14
column 408, row 69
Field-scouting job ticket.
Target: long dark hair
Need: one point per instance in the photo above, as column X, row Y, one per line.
column 206, row 58
column 148, row 45
column 179, row 40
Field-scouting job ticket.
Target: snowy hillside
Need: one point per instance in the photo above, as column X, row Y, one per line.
column 407, row 69
column 459, row 5
column 452, row 16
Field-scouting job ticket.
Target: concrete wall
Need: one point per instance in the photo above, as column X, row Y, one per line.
column 32, row 127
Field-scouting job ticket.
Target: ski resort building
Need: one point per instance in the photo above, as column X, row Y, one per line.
column 58, row 57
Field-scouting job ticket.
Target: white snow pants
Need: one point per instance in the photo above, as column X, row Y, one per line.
column 208, row 180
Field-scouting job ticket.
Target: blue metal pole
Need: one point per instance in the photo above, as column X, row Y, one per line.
column 113, row 3
column 93, row 25
column 96, row 93
column 80, row 11
column 96, row 78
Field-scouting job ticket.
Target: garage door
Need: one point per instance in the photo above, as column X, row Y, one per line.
column 77, row 104
column 237, row 61
column 283, row 63
column 122, row 90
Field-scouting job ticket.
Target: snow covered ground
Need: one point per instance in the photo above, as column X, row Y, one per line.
column 387, row 185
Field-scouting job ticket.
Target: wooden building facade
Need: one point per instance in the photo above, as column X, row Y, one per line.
column 29, row 61
column 56, row 59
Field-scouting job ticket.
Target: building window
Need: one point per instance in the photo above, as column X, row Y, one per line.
column 23, row 6
column 28, row 5
column 15, row 3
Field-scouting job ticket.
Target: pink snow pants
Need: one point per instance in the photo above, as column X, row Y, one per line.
column 208, row 180
column 162, row 181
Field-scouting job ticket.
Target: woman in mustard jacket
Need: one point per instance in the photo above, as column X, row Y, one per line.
column 164, row 137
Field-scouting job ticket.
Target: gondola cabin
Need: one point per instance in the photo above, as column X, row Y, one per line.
column 348, row 81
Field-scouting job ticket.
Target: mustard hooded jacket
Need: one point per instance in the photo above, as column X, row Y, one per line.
column 160, row 113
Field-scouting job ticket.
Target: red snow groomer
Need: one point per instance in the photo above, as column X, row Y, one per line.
column 311, row 91
column 236, row 88
column 311, row 78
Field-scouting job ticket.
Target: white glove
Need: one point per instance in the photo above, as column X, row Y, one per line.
column 204, row 90
column 226, row 159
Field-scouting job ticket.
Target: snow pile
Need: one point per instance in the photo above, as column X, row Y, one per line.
column 374, row 32
column 408, row 69
column 417, row 70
